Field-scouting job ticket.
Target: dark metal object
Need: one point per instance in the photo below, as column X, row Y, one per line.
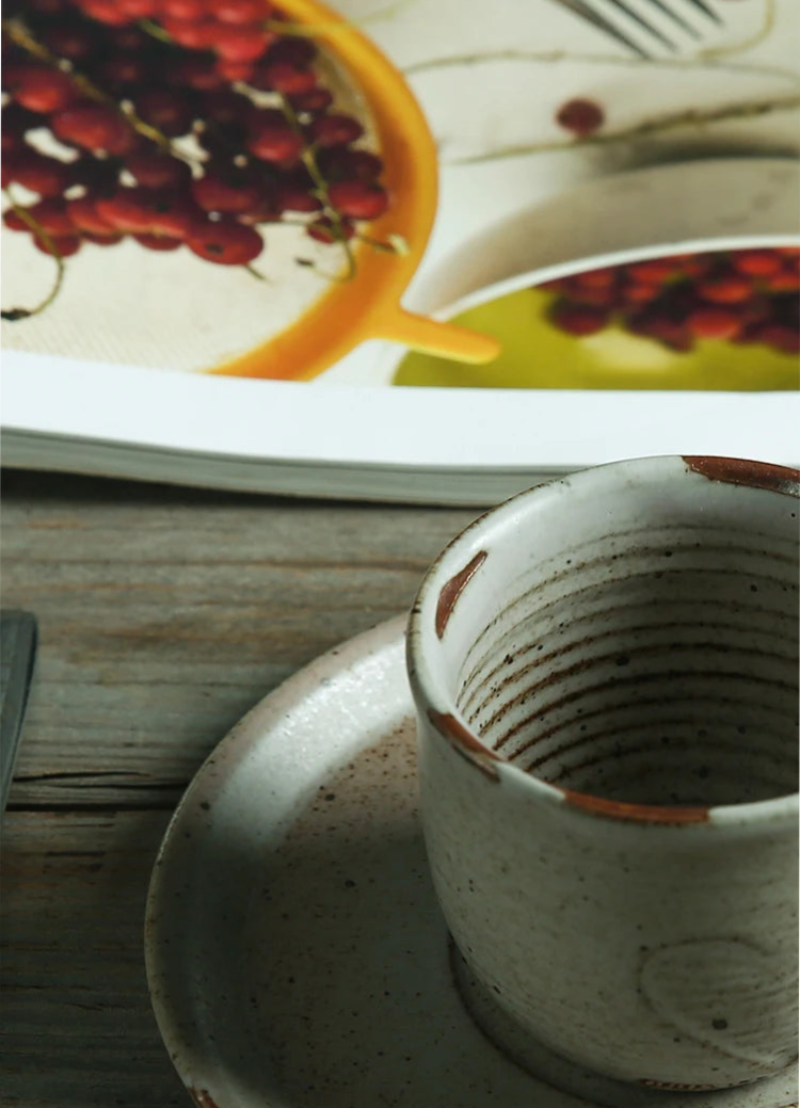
column 18, row 638
column 622, row 20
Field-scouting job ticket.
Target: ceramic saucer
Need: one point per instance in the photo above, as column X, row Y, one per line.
column 295, row 952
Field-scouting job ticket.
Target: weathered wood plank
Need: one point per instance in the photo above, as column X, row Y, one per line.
column 165, row 614
column 76, row 1023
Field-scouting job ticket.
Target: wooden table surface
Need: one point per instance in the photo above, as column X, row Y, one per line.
column 164, row 615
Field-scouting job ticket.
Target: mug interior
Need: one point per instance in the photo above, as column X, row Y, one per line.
column 632, row 633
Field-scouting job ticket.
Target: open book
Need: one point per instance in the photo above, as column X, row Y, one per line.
column 566, row 162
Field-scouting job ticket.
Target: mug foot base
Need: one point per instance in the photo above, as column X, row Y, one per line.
column 501, row 1030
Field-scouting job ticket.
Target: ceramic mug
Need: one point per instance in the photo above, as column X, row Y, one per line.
column 605, row 675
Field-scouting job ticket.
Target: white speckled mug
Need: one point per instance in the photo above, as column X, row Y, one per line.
column 605, row 675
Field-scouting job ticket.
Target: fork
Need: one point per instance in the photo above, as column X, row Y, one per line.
column 640, row 24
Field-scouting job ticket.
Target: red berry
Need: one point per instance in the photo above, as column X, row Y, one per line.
column 655, row 270
column 125, row 211
column 586, row 294
column 245, row 43
column 295, row 51
column 224, row 190
column 140, row 9
column 106, row 11
column 66, row 245
column 84, row 215
column 339, row 163
column 756, row 263
column 240, row 11
column 94, row 127
column 196, row 72
column 102, row 240
column 51, row 215
column 34, row 171
column 191, row 10
column 121, row 70
column 14, row 222
column 194, row 35
column 358, row 199
column 71, row 40
column 714, row 323
column 786, row 340
column 317, row 100
column 582, row 117
column 639, row 292
column 285, row 77
column 334, row 130
column 272, row 139
column 787, row 280
column 656, row 324
column 579, row 319
column 296, row 198
column 226, row 243
column 266, row 210
column 324, row 230
column 693, row 265
column 234, row 71
column 596, row 278
column 40, row 88
column 147, row 212
column 226, row 107
column 158, row 242
column 170, row 111
column 154, row 170
column 725, row 289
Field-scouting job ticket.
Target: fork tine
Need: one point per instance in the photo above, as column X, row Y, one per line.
column 631, row 14
column 579, row 7
column 662, row 7
column 702, row 6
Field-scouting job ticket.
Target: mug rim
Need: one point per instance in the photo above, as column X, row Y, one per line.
column 433, row 599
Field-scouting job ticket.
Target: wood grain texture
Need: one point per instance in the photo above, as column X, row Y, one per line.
column 164, row 615
column 77, row 1027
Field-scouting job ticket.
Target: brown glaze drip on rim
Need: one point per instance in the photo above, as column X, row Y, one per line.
column 757, row 475
column 633, row 813
column 451, row 591
column 465, row 743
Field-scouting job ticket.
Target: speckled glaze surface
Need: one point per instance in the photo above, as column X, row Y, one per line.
column 605, row 674
column 296, row 954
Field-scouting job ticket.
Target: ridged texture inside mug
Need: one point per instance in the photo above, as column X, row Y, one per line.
column 654, row 666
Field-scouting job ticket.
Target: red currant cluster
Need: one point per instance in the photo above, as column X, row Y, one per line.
column 743, row 296
column 124, row 84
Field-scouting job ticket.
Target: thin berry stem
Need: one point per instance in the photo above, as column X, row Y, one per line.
column 766, row 28
column 150, row 27
column 308, row 156
column 13, row 315
column 550, row 57
column 377, row 244
column 695, row 117
column 255, row 273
